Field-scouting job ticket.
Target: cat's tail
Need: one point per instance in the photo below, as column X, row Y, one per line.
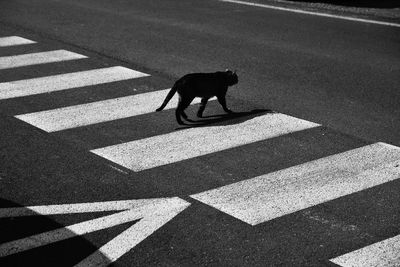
column 168, row 98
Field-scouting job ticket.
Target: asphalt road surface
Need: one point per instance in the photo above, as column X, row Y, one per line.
column 304, row 173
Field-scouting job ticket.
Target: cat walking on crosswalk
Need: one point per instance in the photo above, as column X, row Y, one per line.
column 204, row 85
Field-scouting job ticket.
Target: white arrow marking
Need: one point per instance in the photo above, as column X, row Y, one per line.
column 153, row 213
column 79, row 207
column 132, row 236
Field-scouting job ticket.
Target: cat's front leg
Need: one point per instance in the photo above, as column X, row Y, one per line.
column 222, row 101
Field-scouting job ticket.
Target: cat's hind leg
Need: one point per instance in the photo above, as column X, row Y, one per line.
column 180, row 110
column 202, row 107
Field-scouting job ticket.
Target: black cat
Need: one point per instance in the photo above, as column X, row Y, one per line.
column 204, row 85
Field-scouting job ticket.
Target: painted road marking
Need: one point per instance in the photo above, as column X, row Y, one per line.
column 97, row 112
column 66, row 81
column 153, row 214
column 385, row 253
column 312, row 13
column 276, row 194
column 194, row 142
column 38, row 58
column 14, row 40
column 76, row 208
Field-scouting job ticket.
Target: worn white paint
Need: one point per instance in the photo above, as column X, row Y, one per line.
column 381, row 254
column 153, row 213
column 97, row 112
column 66, row 81
column 155, row 218
column 38, row 58
column 276, row 194
column 384, row 23
column 77, row 207
column 13, row 41
column 194, row 142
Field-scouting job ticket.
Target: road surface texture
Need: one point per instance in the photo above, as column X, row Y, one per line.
column 304, row 173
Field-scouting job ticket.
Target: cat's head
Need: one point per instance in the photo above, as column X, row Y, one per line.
column 231, row 77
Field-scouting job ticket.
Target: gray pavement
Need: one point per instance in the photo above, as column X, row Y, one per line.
column 341, row 75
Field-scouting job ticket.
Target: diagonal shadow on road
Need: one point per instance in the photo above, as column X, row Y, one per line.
column 226, row 119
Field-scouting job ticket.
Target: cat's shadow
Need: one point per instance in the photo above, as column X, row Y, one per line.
column 224, row 119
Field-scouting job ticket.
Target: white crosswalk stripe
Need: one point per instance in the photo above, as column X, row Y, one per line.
column 100, row 111
column 13, row 41
column 38, row 58
column 194, row 142
column 66, row 81
column 286, row 191
column 381, row 254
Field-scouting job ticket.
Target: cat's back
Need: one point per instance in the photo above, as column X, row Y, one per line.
column 199, row 79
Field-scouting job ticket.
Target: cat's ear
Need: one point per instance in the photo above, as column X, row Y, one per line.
column 227, row 70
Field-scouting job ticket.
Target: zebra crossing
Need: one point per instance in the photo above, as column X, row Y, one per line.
column 14, row 40
column 273, row 195
column 97, row 112
column 66, row 81
column 194, row 142
column 38, row 58
column 384, row 253
column 254, row 201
